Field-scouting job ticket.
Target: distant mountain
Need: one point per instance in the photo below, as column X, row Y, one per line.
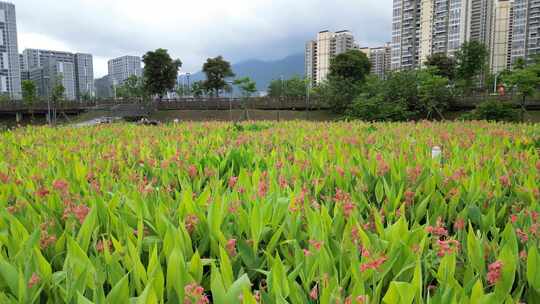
column 263, row 72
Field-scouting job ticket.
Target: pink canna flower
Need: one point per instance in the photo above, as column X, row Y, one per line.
column 42, row 192
column 459, row 224
column 513, row 218
column 231, row 247
column 314, row 293
column 524, row 237
column 375, row 264
column 232, row 181
column 34, row 280
column 4, row 178
column 438, row 230
column 191, row 222
column 192, row 171
column 80, row 212
column 494, row 272
column 263, row 188
column 61, row 185
column 505, row 180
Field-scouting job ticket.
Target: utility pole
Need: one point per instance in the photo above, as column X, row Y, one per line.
column 308, row 87
column 188, row 84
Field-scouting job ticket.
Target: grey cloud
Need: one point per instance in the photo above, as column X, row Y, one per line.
column 195, row 30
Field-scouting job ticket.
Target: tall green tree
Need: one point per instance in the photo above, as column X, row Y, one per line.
column 353, row 65
column 445, row 66
column 217, row 70
column 133, row 87
column 525, row 82
column 471, row 63
column 348, row 72
column 293, row 87
column 29, row 91
column 247, row 87
column 29, row 94
column 160, row 72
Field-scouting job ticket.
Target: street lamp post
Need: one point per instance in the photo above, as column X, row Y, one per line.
column 188, row 84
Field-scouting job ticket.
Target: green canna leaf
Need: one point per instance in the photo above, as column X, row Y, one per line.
column 120, row 292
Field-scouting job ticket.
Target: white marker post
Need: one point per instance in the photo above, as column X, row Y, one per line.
column 436, row 153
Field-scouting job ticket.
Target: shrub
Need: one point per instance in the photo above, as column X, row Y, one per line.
column 493, row 110
column 377, row 109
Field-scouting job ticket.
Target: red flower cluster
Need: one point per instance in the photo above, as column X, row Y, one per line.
column 46, row 239
column 494, row 272
column 438, row 230
column 414, row 173
column 505, row 180
column 195, row 295
column 101, row 245
column 231, row 247
column 263, row 188
column 232, row 181
column 357, row 300
column 34, row 280
column 61, row 186
column 447, row 247
column 375, row 264
column 382, row 166
column 191, row 222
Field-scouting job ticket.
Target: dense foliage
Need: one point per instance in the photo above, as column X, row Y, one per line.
column 405, row 95
column 290, row 88
column 493, row 110
column 160, row 72
column 270, row 213
column 217, row 70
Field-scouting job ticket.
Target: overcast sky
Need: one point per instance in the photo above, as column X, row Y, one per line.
column 195, row 30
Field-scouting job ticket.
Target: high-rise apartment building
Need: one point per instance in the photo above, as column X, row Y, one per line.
column 525, row 29
column 10, row 74
column 123, row 67
column 84, row 75
column 501, row 36
column 74, row 71
column 320, row 52
column 380, row 59
column 421, row 28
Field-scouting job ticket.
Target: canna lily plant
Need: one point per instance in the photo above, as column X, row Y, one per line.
column 293, row 212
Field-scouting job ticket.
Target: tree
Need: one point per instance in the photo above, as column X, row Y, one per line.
column 133, row 87
column 446, row 66
column 471, row 62
column 434, row 93
column 217, row 70
column 29, row 91
column 198, row 89
column 29, row 94
column 348, row 72
column 525, row 82
column 160, row 72
column 353, row 65
column 293, row 87
column 248, row 87
column 57, row 96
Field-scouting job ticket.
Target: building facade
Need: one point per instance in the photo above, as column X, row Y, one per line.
column 84, row 76
column 319, row 53
column 525, row 30
column 75, row 71
column 123, row 67
column 380, row 59
column 104, row 87
column 501, row 36
column 421, row 28
column 10, row 73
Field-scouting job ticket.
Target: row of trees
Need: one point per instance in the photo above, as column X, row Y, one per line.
column 418, row 94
